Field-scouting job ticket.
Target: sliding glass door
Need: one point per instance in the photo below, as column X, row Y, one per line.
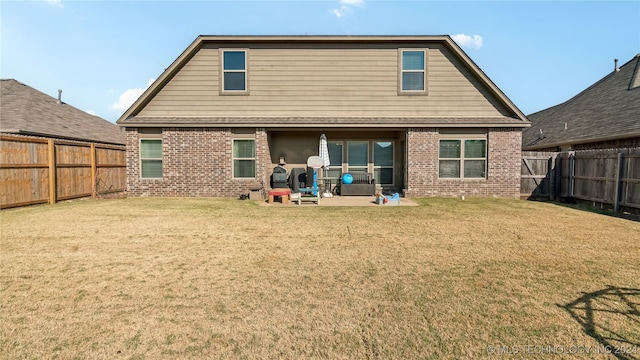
column 383, row 162
column 358, row 156
column 335, row 157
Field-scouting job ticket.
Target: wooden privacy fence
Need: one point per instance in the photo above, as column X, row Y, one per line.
column 537, row 179
column 603, row 177
column 38, row 170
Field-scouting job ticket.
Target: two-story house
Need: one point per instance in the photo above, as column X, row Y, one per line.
column 415, row 111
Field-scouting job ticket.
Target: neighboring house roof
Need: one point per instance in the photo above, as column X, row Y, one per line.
column 25, row 110
column 130, row 118
column 607, row 110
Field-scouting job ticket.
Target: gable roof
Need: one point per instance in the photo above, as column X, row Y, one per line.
column 607, row 110
column 28, row 111
column 128, row 118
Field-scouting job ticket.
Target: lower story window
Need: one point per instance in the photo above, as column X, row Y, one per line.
column 244, row 158
column 151, row 158
column 463, row 158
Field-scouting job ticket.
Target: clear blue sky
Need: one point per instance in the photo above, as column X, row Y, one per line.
column 104, row 53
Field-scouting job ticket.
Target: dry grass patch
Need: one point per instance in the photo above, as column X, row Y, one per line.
column 183, row 278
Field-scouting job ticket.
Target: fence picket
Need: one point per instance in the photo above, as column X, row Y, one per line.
column 35, row 170
column 604, row 177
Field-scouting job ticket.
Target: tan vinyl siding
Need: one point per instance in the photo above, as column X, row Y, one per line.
column 324, row 83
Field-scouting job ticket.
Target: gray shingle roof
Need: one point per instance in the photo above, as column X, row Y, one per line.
column 25, row 110
column 607, row 110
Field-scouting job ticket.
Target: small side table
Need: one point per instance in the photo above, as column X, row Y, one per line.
column 255, row 192
column 285, row 195
column 312, row 198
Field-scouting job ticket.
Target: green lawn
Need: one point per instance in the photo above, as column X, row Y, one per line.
column 149, row 278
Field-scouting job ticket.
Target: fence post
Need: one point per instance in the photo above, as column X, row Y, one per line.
column 617, row 187
column 93, row 170
column 52, row 171
column 551, row 173
column 572, row 172
column 558, row 178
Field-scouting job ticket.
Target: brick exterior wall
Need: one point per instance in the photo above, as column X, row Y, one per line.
column 503, row 168
column 196, row 162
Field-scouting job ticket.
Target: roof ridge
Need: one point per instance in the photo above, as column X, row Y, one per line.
column 606, row 77
column 604, row 110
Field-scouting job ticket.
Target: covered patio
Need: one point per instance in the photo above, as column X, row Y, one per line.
column 380, row 153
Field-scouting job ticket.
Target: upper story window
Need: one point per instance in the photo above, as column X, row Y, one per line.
column 412, row 71
column 234, row 71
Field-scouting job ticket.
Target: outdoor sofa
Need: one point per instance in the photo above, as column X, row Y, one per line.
column 363, row 184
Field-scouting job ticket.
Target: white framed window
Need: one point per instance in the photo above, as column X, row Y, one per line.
column 234, row 77
column 244, row 158
column 357, row 156
column 383, row 152
column 151, row 158
column 413, row 71
column 462, row 158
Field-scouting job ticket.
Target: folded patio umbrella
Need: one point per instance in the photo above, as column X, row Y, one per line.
column 324, row 152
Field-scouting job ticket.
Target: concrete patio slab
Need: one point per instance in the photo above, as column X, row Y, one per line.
column 342, row 201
